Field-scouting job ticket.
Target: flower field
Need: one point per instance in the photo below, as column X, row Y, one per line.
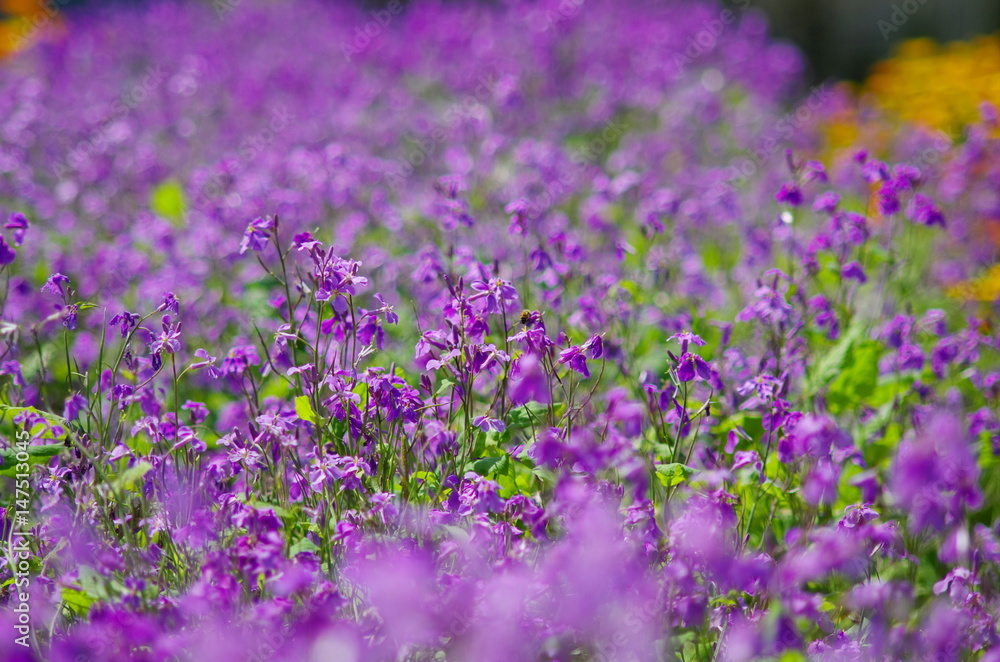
column 518, row 331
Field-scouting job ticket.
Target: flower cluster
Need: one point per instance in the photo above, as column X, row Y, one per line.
column 561, row 389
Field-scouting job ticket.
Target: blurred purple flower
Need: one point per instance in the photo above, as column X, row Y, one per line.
column 19, row 224
column 7, row 254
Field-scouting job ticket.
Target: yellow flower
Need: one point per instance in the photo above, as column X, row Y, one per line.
column 21, row 21
column 939, row 87
column 984, row 288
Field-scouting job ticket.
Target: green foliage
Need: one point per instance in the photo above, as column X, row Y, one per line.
column 168, row 200
column 673, row 474
column 36, row 455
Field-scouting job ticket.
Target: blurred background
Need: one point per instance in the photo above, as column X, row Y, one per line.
column 841, row 38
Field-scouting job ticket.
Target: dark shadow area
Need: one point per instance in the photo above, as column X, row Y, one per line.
column 843, row 38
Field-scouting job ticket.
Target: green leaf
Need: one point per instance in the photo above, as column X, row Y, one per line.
column 833, row 362
column 876, row 423
column 168, row 201
column 92, row 583
column 425, row 476
column 77, row 600
column 281, row 511
column 674, row 473
column 128, row 479
column 491, row 465
column 44, row 414
column 304, row 410
column 858, row 378
column 304, row 545
column 508, row 485
column 523, row 416
column 36, row 455
column 444, row 386
column 630, row 287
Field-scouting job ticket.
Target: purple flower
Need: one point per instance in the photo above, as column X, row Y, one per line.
column 306, row 242
column 169, row 340
column 826, row 202
column 122, row 394
column 370, row 329
column 825, row 316
column 815, row 172
column 7, row 254
column 19, row 224
column 857, row 515
column 576, row 359
column 256, row 235
column 746, row 459
column 789, row 194
column 763, row 386
column 875, row 171
column 495, row 292
column 907, row 177
column 518, row 210
column 922, row 210
column 390, row 316
column 946, row 352
column 199, row 411
column 594, row 348
column 687, row 338
column 69, row 317
column 935, row 476
column 244, row 456
column 853, row 226
column 853, row 271
column 486, row 424
column 818, row 437
column 239, row 360
column 206, row 361
column 888, row 200
column 54, row 285
column 770, row 306
column 820, row 484
column 13, row 368
column 691, row 367
column 529, row 383
column 170, row 304
column 125, row 322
